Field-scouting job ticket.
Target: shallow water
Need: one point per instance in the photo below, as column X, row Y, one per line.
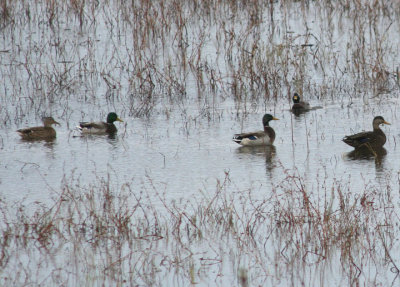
column 175, row 144
column 182, row 162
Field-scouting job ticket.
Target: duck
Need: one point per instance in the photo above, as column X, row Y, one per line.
column 373, row 140
column 39, row 133
column 265, row 137
column 100, row 127
column 299, row 105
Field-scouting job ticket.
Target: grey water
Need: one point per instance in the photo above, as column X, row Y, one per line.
column 184, row 161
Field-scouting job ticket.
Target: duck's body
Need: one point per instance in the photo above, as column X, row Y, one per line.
column 265, row 137
column 39, row 133
column 97, row 128
column 100, row 127
column 299, row 105
column 372, row 139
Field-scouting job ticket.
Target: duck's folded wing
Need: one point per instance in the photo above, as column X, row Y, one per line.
column 24, row 131
column 253, row 136
column 359, row 138
column 306, row 106
column 30, row 131
column 92, row 125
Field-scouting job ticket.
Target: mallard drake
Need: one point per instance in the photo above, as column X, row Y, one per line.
column 372, row 140
column 38, row 133
column 298, row 104
column 100, row 127
column 265, row 137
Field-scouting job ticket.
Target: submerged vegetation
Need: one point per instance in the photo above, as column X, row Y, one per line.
column 143, row 58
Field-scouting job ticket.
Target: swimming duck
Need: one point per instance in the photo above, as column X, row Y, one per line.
column 372, row 140
column 298, row 104
column 38, row 133
column 265, row 137
column 100, row 127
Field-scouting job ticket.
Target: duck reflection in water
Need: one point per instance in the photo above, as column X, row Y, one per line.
column 365, row 153
column 268, row 151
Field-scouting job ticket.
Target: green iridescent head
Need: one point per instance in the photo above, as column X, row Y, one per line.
column 112, row 117
column 267, row 118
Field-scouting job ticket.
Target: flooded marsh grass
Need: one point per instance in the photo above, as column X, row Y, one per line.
column 103, row 234
column 171, row 200
column 144, row 55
